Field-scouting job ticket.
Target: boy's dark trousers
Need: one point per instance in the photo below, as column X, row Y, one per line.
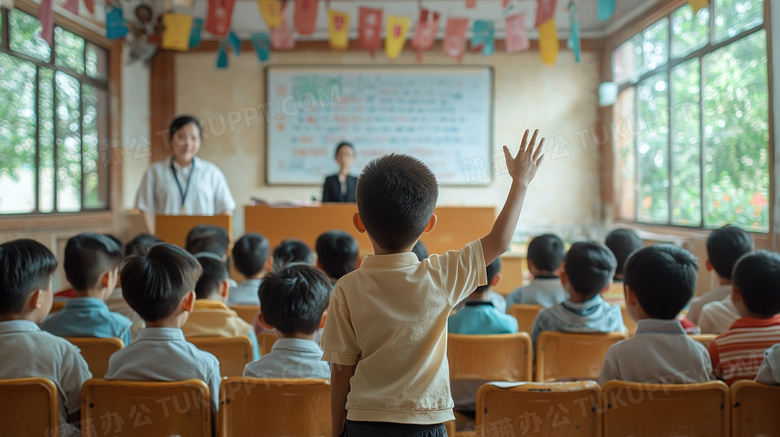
column 386, row 429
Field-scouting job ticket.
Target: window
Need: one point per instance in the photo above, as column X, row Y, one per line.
column 691, row 122
column 53, row 120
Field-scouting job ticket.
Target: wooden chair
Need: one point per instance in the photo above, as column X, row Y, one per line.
column 566, row 356
column 704, row 339
column 499, row 357
column 641, row 409
column 543, row 409
column 754, row 409
column 246, row 312
column 133, row 408
column 28, row 407
column 57, row 305
column 233, row 353
column 525, row 315
column 266, row 407
column 265, row 341
column 630, row 323
column 96, row 352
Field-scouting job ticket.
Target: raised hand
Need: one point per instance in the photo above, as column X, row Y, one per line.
column 524, row 165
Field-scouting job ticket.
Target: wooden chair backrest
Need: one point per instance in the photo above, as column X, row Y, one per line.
column 57, row 305
column 525, row 315
column 233, row 353
column 704, row 339
column 267, row 407
column 642, row 409
column 499, row 357
column 630, row 323
column 754, row 409
column 248, row 313
column 28, row 407
column 566, row 356
column 96, row 352
column 265, row 341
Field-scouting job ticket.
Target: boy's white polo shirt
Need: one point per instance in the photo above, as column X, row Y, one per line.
column 389, row 319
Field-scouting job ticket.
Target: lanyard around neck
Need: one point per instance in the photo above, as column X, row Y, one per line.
column 186, row 189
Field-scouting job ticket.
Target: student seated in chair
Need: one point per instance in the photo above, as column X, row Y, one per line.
column 26, row 267
column 210, row 317
column 160, row 286
column 769, row 372
column 479, row 316
column 659, row 282
column 587, row 271
column 544, row 257
column 337, row 254
column 291, row 251
column 294, row 303
column 252, row 258
column 92, row 267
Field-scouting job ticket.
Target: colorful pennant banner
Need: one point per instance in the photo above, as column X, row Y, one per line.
column 305, row 16
column 606, row 8
column 370, row 29
column 548, row 42
column 483, row 38
column 262, row 43
column 197, row 28
column 425, row 32
column 455, row 37
column 338, row 27
column 516, row 38
column 46, row 17
column 574, row 32
column 397, row 28
column 545, row 10
column 72, row 6
column 178, row 30
column 115, row 23
column 271, row 10
column 219, row 16
column 282, row 37
column 235, row 42
column 222, row 59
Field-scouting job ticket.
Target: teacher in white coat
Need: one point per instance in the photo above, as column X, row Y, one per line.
column 183, row 184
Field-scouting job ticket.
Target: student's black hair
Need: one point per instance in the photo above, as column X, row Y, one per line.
column 663, row 278
column 213, row 272
column 757, row 278
column 725, row 246
column 208, row 238
column 337, row 252
column 153, row 284
column 118, row 243
column 622, row 243
column 492, row 270
column 546, row 252
column 181, row 121
column 140, row 244
column 396, row 195
column 25, row 266
column 250, row 253
column 590, row 267
column 420, row 250
column 344, row 144
column 290, row 251
column 87, row 257
column 294, row 299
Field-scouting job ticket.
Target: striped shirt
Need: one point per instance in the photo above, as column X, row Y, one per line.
column 737, row 353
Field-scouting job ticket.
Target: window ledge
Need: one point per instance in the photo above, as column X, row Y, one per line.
column 677, row 234
column 36, row 222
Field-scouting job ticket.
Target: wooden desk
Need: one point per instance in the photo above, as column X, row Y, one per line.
column 174, row 228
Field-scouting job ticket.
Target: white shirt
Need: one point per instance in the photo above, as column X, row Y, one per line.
column 717, row 317
column 245, row 293
column 290, row 358
column 28, row 352
column 659, row 352
column 208, row 192
column 697, row 303
column 769, row 372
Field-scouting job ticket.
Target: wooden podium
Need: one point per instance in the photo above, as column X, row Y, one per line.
column 174, row 228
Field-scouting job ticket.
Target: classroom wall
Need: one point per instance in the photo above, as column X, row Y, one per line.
column 560, row 101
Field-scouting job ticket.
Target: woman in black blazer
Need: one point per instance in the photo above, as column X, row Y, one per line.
column 340, row 187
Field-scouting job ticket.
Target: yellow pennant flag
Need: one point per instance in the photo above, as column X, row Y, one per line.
column 338, row 27
column 271, row 11
column 698, row 4
column 177, row 31
column 397, row 27
column 548, row 42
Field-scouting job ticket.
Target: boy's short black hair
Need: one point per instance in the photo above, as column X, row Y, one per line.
column 213, row 272
column 25, row 266
column 396, row 195
column 420, row 250
column 154, row 283
column 294, row 299
column 250, row 253
column 291, row 251
column 725, row 246
column 492, row 269
column 140, row 244
column 181, row 121
column 118, row 243
column 663, row 278
column 622, row 243
column 590, row 267
column 344, row 144
column 757, row 278
column 208, row 238
column 546, row 252
column 337, row 252
column 87, row 257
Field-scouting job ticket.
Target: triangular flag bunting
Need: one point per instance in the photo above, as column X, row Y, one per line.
column 606, row 8
column 425, row 32
column 222, row 59
column 338, row 27
column 262, row 43
column 271, row 10
column 574, row 32
column 219, row 16
column 483, row 38
column 545, row 10
column 115, row 23
column 370, row 28
column 90, row 4
column 197, row 27
column 282, row 37
column 46, row 17
column 455, row 37
column 305, row 16
column 235, row 42
column 548, row 42
column 516, row 38
column 72, row 6
column 397, row 27
column 178, row 29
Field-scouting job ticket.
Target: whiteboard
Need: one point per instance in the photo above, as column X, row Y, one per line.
column 440, row 115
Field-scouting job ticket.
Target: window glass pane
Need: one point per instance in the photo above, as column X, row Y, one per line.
column 689, row 33
column 686, row 145
column 68, row 50
column 736, row 135
column 735, row 16
column 656, row 44
column 17, row 140
column 97, row 61
column 625, row 146
column 627, row 60
column 46, row 139
column 652, row 150
column 96, row 149
column 68, row 143
column 26, row 36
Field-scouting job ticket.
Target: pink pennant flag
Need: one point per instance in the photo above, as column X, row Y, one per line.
column 516, row 37
column 72, row 6
column 545, row 10
column 455, row 37
column 370, row 29
column 282, row 37
column 305, row 16
column 425, row 32
column 471, row 4
column 90, row 6
column 46, row 17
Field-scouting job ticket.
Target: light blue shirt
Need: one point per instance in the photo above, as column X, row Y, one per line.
column 245, row 293
column 594, row 315
column 162, row 354
column 290, row 358
column 481, row 317
column 544, row 291
column 88, row 317
column 769, row 372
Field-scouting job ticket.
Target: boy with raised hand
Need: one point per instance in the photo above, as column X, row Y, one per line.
column 251, row 256
column 26, row 267
column 386, row 331
column 92, row 267
column 659, row 282
column 544, row 257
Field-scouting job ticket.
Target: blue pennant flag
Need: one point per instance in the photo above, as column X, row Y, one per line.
column 484, row 32
column 234, row 41
column 222, row 61
column 197, row 25
column 606, row 9
column 574, row 32
column 262, row 43
column 115, row 23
